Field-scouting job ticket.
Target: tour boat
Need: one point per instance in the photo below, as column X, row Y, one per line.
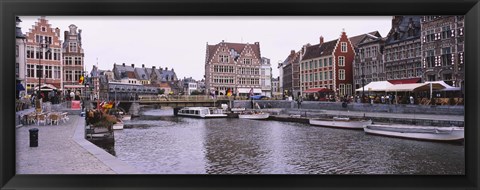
column 118, row 125
column 253, row 115
column 340, row 122
column 202, row 112
column 417, row 132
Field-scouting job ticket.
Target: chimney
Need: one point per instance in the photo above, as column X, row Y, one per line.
column 65, row 35
column 153, row 67
column 166, row 68
column 133, row 65
column 143, row 65
column 292, row 52
column 123, row 64
column 256, row 43
column 160, row 68
column 321, row 40
column 57, row 31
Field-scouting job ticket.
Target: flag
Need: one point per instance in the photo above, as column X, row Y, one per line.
column 229, row 92
column 80, row 80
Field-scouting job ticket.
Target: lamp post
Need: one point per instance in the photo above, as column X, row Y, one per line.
column 42, row 45
column 363, row 86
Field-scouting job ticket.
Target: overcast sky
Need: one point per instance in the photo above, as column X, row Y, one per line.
column 180, row 42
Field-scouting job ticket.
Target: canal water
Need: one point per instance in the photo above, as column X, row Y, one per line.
column 160, row 143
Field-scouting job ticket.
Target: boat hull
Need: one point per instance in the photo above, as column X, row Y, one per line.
column 345, row 124
column 126, row 117
column 203, row 116
column 254, row 116
column 429, row 133
column 117, row 126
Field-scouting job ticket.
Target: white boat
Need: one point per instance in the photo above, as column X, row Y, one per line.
column 418, row 132
column 118, row 126
column 126, row 117
column 253, row 115
column 202, row 112
column 340, row 122
column 236, row 110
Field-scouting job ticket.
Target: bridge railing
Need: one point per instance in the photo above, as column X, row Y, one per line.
column 177, row 98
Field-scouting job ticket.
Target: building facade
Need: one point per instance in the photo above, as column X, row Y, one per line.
column 44, row 61
column 73, row 60
column 233, row 66
column 368, row 64
column 442, row 46
column 276, row 90
column 20, row 57
column 288, row 87
column 402, row 56
column 328, row 65
column 266, row 77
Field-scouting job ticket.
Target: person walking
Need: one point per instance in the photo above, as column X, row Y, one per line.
column 412, row 100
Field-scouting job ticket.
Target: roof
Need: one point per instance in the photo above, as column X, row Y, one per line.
column 376, row 86
column 310, row 90
column 447, row 87
column 131, row 74
column 19, row 33
column 405, row 81
column 402, row 29
column 357, row 39
column 317, row 50
column 141, row 74
column 238, row 47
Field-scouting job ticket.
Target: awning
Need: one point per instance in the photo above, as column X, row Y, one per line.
column 247, row 90
column 405, row 81
column 47, row 87
column 447, row 87
column 414, row 87
column 20, row 87
column 312, row 90
column 377, row 86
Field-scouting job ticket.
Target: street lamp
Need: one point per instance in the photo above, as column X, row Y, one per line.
column 363, row 86
column 42, row 45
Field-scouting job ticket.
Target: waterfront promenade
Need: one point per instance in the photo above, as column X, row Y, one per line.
column 62, row 149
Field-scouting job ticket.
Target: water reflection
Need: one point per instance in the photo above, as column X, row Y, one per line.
column 172, row 145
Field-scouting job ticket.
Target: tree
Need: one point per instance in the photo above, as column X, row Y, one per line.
column 161, row 91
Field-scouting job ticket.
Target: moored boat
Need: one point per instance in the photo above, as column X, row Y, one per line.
column 126, row 117
column 340, row 122
column 253, row 115
column 418, row 132
column 202, row 112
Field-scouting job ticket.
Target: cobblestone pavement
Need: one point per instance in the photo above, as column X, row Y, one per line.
column 57, row 152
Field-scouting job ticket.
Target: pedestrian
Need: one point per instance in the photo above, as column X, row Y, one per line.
column 411, row 100
column 382, row 98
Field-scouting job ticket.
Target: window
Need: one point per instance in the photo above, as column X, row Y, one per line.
column 78, row 61
column 341, row 61
column 325, row 62
column 331, row 75
column 39, row 55
column 446, row 56
column 56, row 72
column 341, row 89
column 73, row 47
column 44, row 29
column 68, row 60
column 330, row 61
column 320, row 63
column 247, row 61
column 311, row 65
column 48, row 55
column 48, row 72
column 39, row 71
column 77, row 75
column 311, row 78
column 30, row 52
column 446, row 32
column 223, row 58
column 17, row 69
column 341, row 74
column 325, row 76
column 344, row 46
column 320, row 76
column 430, row 36
column 56, row 54
column 430, row 59
column 16, row 50
column 30, row 70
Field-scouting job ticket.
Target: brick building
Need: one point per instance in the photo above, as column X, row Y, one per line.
column 73, row 60
column 443, row 43
column 233, row 66
column 44, row 50
column 288, row 86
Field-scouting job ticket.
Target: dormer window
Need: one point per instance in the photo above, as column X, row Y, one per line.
column 44, row 29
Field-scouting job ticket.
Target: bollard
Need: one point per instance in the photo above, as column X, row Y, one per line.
column 33, row 137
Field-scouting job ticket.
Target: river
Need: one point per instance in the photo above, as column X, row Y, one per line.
column 160, row 143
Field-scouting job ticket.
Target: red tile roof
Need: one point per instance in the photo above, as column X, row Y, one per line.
column 317, row 50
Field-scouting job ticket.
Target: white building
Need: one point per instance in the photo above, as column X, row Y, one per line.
column 266, row 77
column 192, row 86
column 280, row 71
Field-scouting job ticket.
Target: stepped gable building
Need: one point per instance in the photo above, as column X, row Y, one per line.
column 402, row 56
column 443, row 44
column 43, row 63
column 328, row 65
column 233, row 66
column 368, row 64
column 73, row 59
